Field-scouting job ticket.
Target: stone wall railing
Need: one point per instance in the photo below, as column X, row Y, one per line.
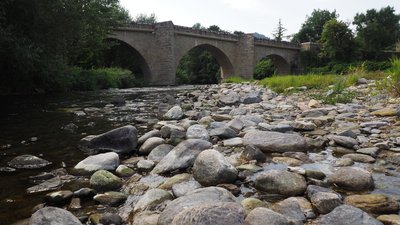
column 276, row 43
column 204, row 32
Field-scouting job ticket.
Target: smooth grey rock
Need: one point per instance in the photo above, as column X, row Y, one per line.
column 175, row 113
column 105, row 181
column 105, row 161
column 315, row 112
column 252, row 97
column 236, row 124
column 223, row 132
column 303, row 126
column 150, row 144
column 343, row 162
column 269, row 141
column 110, row 218
column 251, row 152
column 145, row 165
column 348, row 215
column 58, row 197
column 119, row 140
column 374, row 124
column 291, row 209
column 53, row 216
column 197, row 132
column 238, row 111
column 264, row 216
column 152, row 133
column 313, row 189
column 48, row 185
column 347, row 142
column 211, row 168
column 159, row 152
column 325, row 202
column 28, row 162
column 229, row 99
column 222, row 213
column 352, row 179
column 282, row 128
column 151, row 199
column 124, row 171
column 111, row 198
column 232, row 142
column 183, row 188
column 182, row 156
column 197, row 197
column 372, row 151
column 280, row 182
column 360, row 158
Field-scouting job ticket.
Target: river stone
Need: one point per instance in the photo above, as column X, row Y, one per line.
column 105, row 161
column 229, row 99
column 197, row 197
column 303, row 126
column 346, row 142
column 343, row 162
column 352, row 179
column 315, row 112
column 236, row 124
column 291, row 209
column 221, row 213
column 58, row 197
column 251, row 203
column 105, row 181
column 252, row 97
column 389, row 219
column 280, row 182
column 251, row 152
column 152, row 133
column 145, row 165
column 53, row 216
column 325, row 202
column 269, row 141
column 111, row 198
column 151, row 199
column 373, row 203
column 119, row 140
column 110, row 219
column 150, row 144
column 124, row 171
column 211, row 168
column 264, row 216
column 385, row 112
column 182, row 156
column 178, row 178
column 48, row 185
column 197, row 132
column 347, row 215
column 175, row 113
column 360, row 158
column 28, row 162
column 159, row 152
column 223, row 132
column 183, row 188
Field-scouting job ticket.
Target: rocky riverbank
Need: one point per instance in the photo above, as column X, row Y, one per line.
column 235, row 154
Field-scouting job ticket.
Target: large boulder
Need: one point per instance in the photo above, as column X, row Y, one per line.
column 194, row 198
column 222, row 213
column 264, row 216
column 175, row 113
column 53, row 216
column 280, row 182
column 103, row 180
column 269, row 141
column 28, row 162
column 119, row 140
column 105, row 161
column 348, row 215
column 211, row 168
column 182, row 156
column 352, row 179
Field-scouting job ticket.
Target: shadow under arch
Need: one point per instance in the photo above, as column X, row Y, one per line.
column 282, row 65
column 223, row 60
column 123, row 55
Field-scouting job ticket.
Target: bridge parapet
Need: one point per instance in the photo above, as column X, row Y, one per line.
column 204, row 32
column 283, row 44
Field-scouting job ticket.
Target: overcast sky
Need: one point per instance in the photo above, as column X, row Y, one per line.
column 250, row 16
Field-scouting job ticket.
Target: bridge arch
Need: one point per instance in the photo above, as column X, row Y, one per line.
column 282, row 65
column 223, row 60
column 138, row 59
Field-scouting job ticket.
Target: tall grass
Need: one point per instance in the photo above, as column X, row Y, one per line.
column 235, row 79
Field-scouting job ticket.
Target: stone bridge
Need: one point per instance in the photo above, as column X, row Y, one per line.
column 160, row 47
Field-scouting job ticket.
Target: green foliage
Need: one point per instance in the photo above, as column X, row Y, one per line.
column 214, row 28
column 345, row 68
column 143, row 18
column 265, row 68
column 377, row 30
column 312, row 28
column 235, row 79
column 337, row 41
column 391, row 84
column 279, row 31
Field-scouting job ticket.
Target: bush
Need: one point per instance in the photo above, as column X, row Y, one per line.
column 265, row 68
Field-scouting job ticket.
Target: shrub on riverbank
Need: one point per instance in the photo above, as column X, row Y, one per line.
column 391, row 83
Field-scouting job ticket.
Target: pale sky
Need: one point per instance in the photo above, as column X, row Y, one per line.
column 250, row 16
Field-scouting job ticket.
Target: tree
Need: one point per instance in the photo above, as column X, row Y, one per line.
column 145, row 19
column 337, row 41
column 198, row 26
column 279, row 31
column 214, row 28
column 265, row 68
column 312, row 28
column 377, row 30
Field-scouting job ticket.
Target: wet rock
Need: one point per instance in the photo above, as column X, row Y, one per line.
column 28, row 162
column 120, row 140
column 251, row 152
column 389, row 219
column 53, row 215
column 84, row 193
column 346, row 142
column 343, row 162
column 223, row 132
column 229, row 99
column 261, row 216
column 110, row 219
column 280, row 182
column 182, row 156
column 175, row 113
column 211, row 168
column 105, row 161
column 7, row 169
column 152, row 133
column 325, row 202
column 183, row 188
column 111, row 198
column 48, row 185
column 197, row 132
column 347, row 215
column 211, row 213
column 291, row 209
column 105, row 181
column 197, row 197
column 373, row 203
column 145, row 165
column 145, row 218
column 287, row 160
column 251, row 203
column 360, row 158
column 352, row 179
column 151, row 199
column 275, row 142
column 124, row 171
column 58, row 197
column 150, row 144
column 159, row 152
column 169, row 182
